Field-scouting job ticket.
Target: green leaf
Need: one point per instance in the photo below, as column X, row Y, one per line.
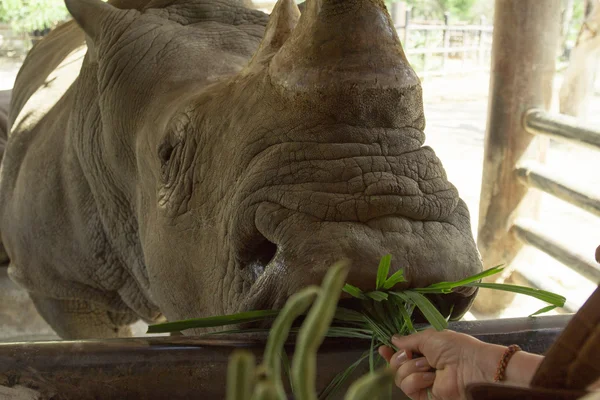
column 383, row 270
column 371, row 355
column 337, row 382
column 396, row 277
column 431, row 313
column 548, row 297
column 353, row 291
column 432, row 290
column 463, row 282
column 285, row 362
column 248, row 316
column 347, row 315
column 407, row 320
column 543, row 310
column 377, row 296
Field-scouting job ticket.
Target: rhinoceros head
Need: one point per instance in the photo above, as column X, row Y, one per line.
column 252, row 158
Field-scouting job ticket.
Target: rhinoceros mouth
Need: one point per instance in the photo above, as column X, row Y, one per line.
column 288, row 250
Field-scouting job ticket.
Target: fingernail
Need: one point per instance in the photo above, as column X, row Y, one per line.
column 396, row 337
column 429, row 376
column 401, row 358
column 421, row 362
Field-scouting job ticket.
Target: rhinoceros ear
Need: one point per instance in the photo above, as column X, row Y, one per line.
column 90, row 14
column 282, row 22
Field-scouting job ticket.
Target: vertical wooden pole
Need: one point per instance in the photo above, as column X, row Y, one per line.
column 446, row 41
column 426, row 35
column 406, row 28
column 525, row 44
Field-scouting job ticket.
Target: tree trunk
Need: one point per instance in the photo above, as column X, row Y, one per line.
column 578, row 84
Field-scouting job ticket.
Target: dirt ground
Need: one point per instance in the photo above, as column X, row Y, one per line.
column 456, row 111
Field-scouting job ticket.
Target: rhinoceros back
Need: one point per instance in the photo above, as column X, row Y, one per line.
column 37, row 89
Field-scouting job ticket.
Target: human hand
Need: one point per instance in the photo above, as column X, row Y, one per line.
column 450, row 362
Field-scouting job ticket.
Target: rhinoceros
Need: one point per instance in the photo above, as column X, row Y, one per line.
column 4, row 104
column 186, row 158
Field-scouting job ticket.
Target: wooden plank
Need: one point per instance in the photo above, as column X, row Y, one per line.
column 532, row 233
column 536, row 176
column 562, row 127
column 195, row 368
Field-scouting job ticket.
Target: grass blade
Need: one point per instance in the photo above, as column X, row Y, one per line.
column 287, row 368
column 348, row 315
column 548, row 297
column 208, row 322
column 337, row 382
column 464, row 282
column 543, row 310
column 353, row 291
column 396, row 277
column 370, row 386
column 240, row 375
column 431, row 313
column 377, row 296
column 371, row 354
column 383, row 270
column 407, row 320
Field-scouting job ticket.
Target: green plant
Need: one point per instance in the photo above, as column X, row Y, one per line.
column 31, row 15
column 379, row 314
column 246, row 381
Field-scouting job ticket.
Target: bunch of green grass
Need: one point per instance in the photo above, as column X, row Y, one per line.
column 246, row 381
column 381, row 313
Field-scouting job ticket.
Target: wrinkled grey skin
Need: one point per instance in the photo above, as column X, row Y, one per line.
column 187, row 173
column 4, row 102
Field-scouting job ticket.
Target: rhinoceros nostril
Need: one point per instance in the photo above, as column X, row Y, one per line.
column 259, row 254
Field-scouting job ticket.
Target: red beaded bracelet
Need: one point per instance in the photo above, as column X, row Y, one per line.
column 508, row 353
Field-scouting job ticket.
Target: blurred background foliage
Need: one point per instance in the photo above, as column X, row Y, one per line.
column 32, row 15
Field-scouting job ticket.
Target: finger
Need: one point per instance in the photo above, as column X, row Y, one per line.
column 386, row 352
column 413, row 342
column 417, row 383
column 412, row 367
column 400, row 358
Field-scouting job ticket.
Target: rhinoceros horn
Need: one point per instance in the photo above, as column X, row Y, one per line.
column 337, row 41
column 282, row 22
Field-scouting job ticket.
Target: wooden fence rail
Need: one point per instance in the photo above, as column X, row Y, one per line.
column 523, row 67
column 480, row 36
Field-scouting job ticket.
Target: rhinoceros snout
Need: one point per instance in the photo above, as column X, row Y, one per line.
column 290, row 250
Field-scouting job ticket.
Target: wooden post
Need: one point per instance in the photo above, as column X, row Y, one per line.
column 426, row 35
column 406, row 28
column 446, row 41
column 399, row 13
column 526, row 37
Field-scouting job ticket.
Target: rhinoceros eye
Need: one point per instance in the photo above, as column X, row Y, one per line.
column 165, row 152
column 169, row 155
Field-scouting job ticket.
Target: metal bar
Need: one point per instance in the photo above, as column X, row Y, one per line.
column 561, row 127
column 189, row 368
column 531, row 233
column 526, row 36
column 535, row 175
